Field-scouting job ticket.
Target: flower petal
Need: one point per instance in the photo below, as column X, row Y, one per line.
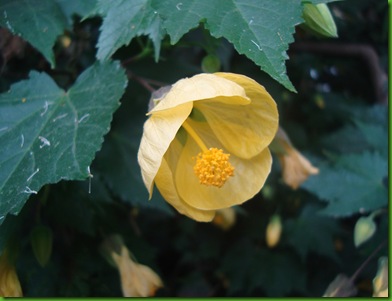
column 165, row 183
column 198, row 87
column 243, row 130
column 249, row 177
column 159, row 131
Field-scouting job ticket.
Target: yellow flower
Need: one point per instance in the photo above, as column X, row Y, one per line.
column 137, row 280
column 9, row 281
column 205, row 144
column 296, row 168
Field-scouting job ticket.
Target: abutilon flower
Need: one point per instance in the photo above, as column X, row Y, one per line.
column 205, row 143
column 9, row 281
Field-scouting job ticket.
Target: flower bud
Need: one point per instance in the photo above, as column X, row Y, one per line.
column 364, row 230
column 41, row 239
column 210, row 64
column 274, row 231
column 319, row 20
column 9, row 281
column 380, row 282
column 295, row 167
column 225, row 218
column 137, row 280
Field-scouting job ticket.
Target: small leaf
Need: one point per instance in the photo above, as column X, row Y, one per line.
column 341, row 286
column 48, row 134
column 37, row 21
column 364, row 230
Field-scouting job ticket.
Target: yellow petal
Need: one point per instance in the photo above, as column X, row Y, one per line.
column 165, row 184
column 164, row 181
column 249, row 177
column 243, row 130
column 137, row 280
column 159, row 131
column 198, row 87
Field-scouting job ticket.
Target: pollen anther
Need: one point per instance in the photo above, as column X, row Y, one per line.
column 213, row 167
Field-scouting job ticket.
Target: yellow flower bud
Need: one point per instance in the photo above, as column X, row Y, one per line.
column 9, row 281
column 295, row 167
column 380, row 282
column 364, row 230
column 137, row 280
column 274, row 231
column 225, row 218
column 319, row 20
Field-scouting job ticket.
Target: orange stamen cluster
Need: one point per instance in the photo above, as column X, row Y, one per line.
column 213, row 167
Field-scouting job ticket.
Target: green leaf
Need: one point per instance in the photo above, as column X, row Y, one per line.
column 37, row 21
column 311, row 233
column 249, row 267
column 76, row 7
column 48, row 134
column 123, row 20
column 261, row 30
column 354, row 184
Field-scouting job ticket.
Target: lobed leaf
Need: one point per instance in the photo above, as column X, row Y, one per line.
column 122, row 21
column 48, row 134
column 261, row 30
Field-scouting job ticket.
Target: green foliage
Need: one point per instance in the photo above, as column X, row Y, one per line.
column 39, row 22
column 69, row 176
column 50, row 134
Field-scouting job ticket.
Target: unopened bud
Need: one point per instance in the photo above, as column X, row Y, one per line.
column 364, row 230
column 225, row 218
column 210, row 64
column 41, row 239
column 274, row 231
column 319, row 20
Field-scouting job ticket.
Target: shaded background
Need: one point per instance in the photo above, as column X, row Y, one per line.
column 340, row 82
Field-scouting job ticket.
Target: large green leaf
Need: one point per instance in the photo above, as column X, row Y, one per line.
column 37, row 21
column 48, row 134
column 354, row 184
column 261, row 30
column 123, row 20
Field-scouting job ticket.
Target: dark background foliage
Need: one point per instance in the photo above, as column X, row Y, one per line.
column 338, row 116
